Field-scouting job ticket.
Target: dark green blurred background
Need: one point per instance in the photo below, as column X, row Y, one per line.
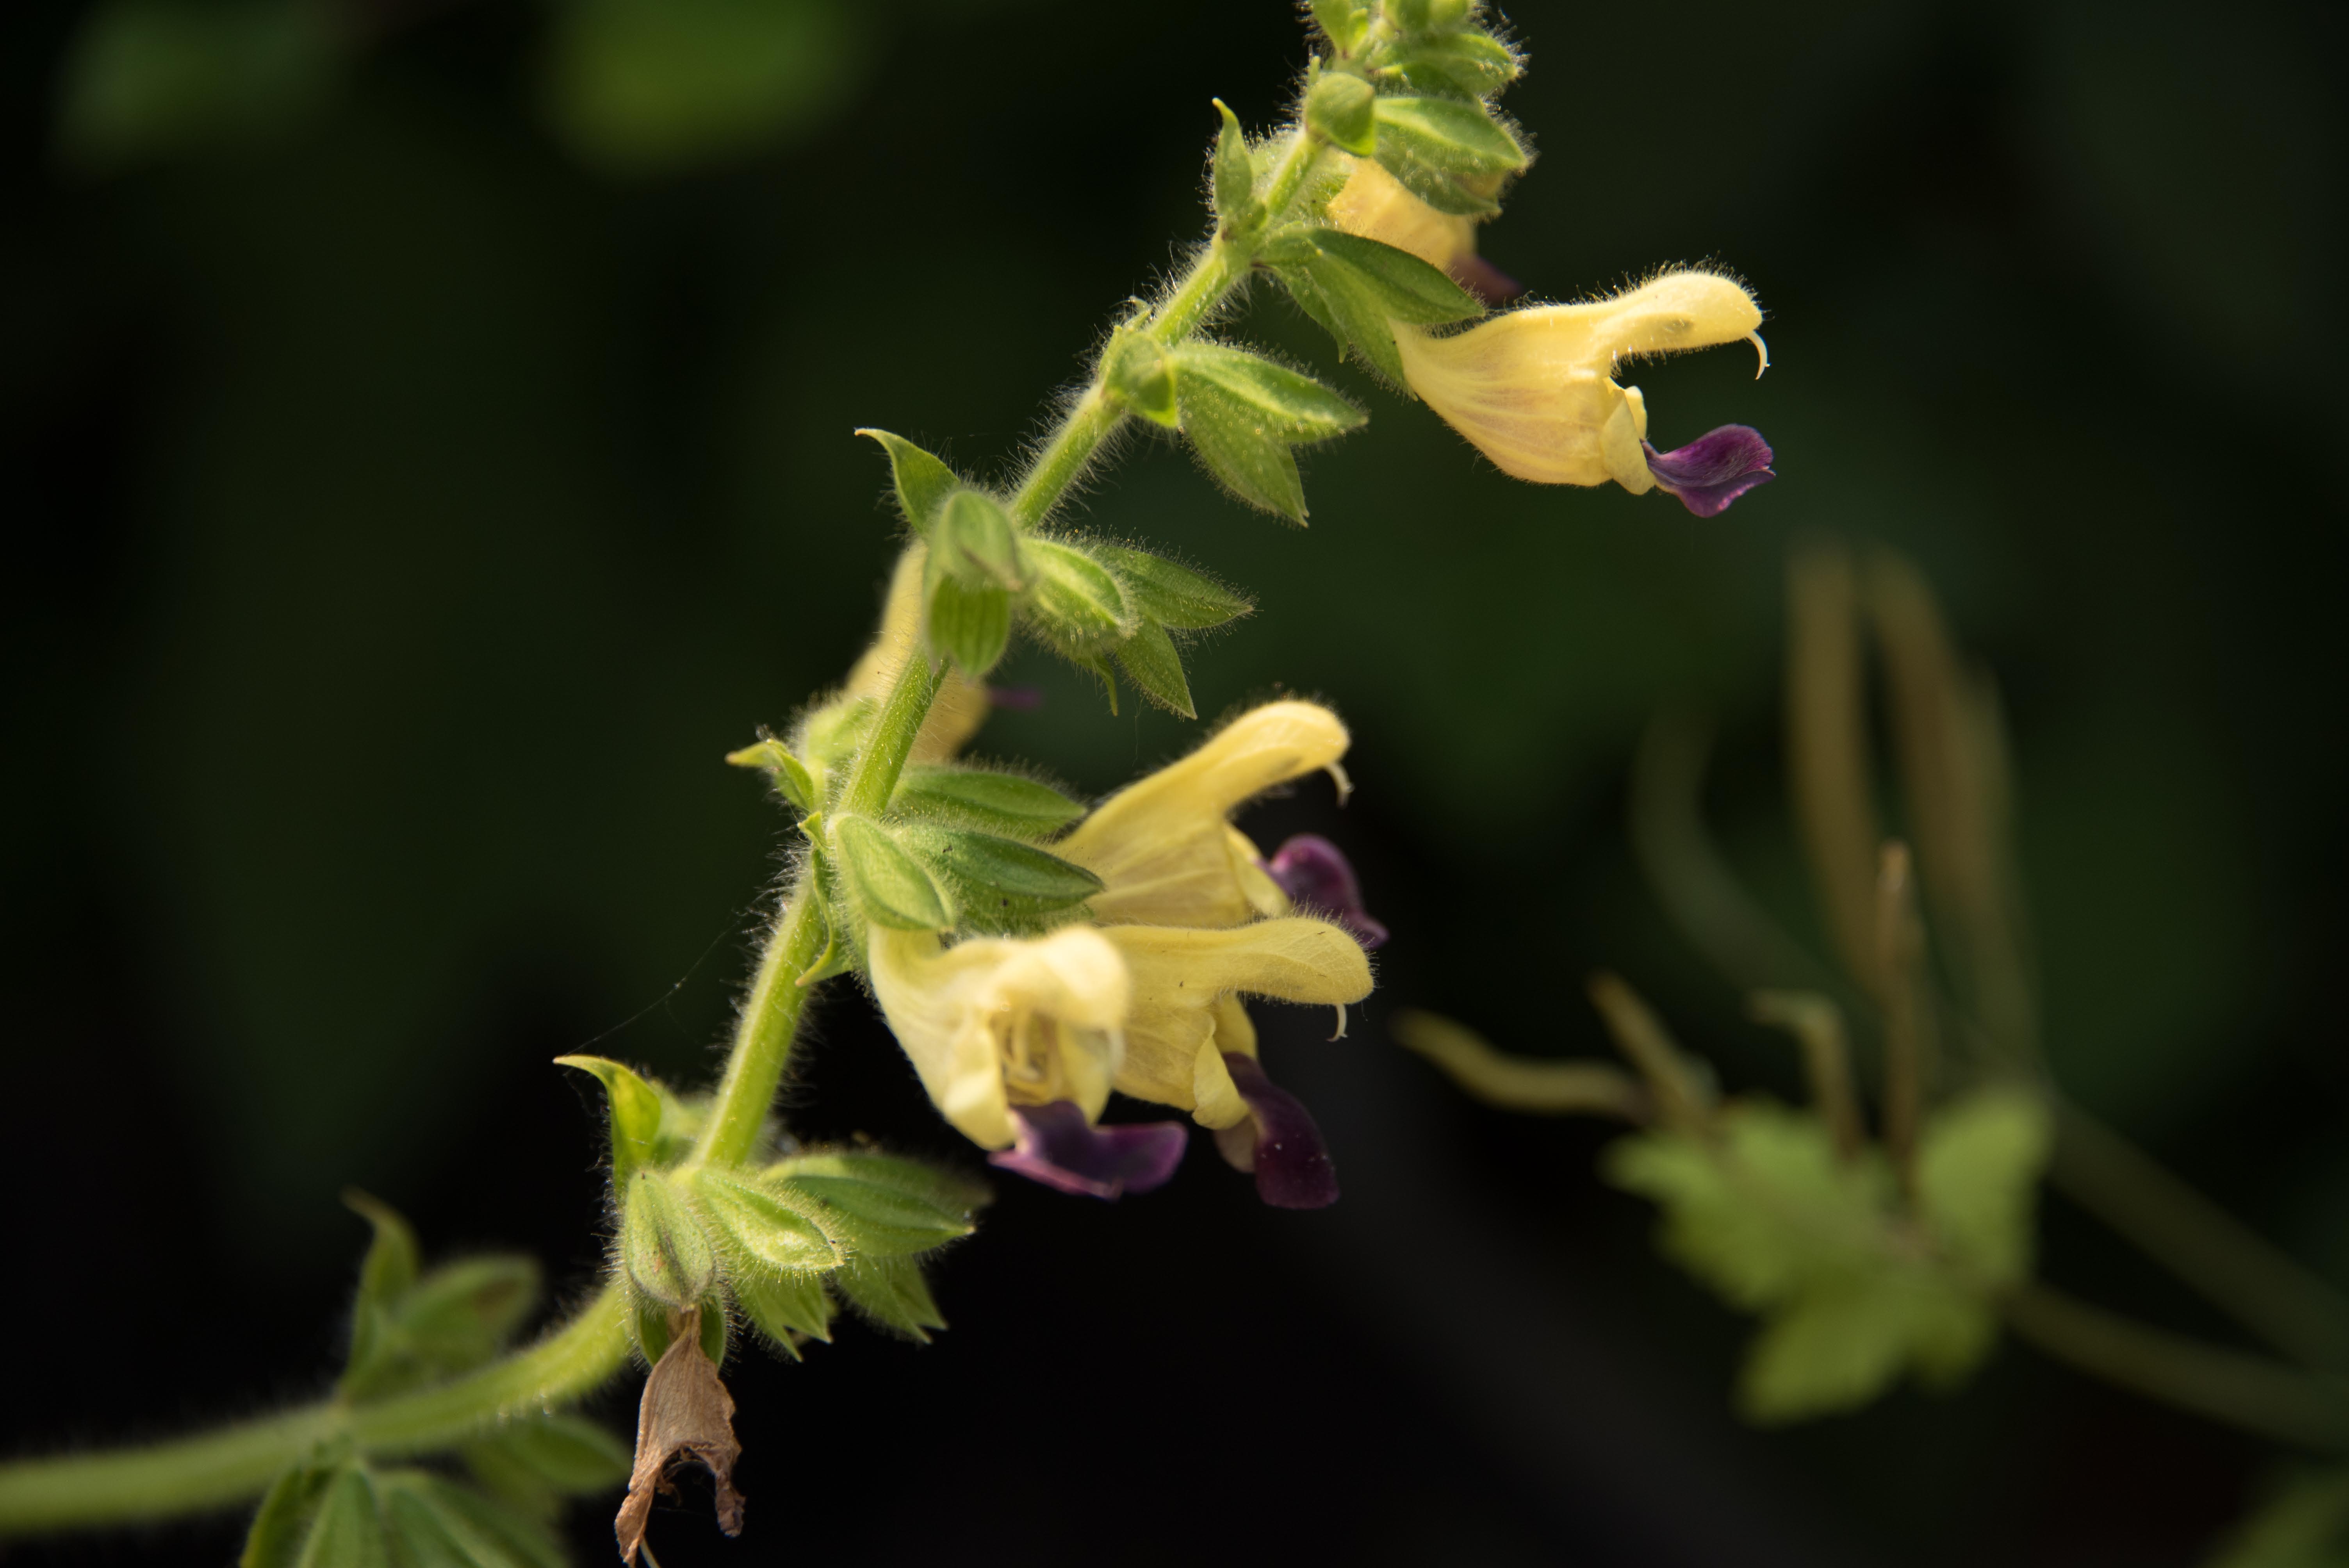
column 431, row 453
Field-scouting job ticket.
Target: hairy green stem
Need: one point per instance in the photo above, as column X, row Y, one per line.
column 2246, row 1391
column 1217, row 271
column 236, row 1464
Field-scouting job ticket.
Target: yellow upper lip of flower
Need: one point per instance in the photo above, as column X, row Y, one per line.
column 1162, row 847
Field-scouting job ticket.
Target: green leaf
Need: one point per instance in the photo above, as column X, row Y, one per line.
column 996, row 883
column 1847, row 1341
column 1393, row 283
column 972, row 626
column 782, row 1307
column 974, row 543
column 888, row 885
column 641, row 87
column 441, row 1524
column 282, row 1524
column 792, row 779
column 1345, row 23
column 1234, row 175
column 663, row 1247
column 922, row 481
column 461, row 1314
column 541, row 1457
column 883, row 1207
column 1138, row 371
column 151, row 79
column 1451, row 155
column 1169, row 594
column 1467, row 64
column 2303, row 1523
column 635, row 1113
column 1284, row 405
column 387, row 1273
column 762, row 1227
column 992, row 802
column 348, row 1530
column 1978, row 1170
column 1074, row 596
column 892, row 1292
column 1249, row 461
column 1338, row 109
column 1151, row 662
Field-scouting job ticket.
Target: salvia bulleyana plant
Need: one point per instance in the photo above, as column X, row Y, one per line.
column 1032, row 955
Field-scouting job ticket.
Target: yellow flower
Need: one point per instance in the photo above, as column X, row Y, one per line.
column 1186, row 1014
column 1374, row 204
column 1535, row 391
column 1163, row 847
column 962, row 703
column 995, row 1024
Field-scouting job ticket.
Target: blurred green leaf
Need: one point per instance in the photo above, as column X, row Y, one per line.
column 639, row 87
column 1154, row 665
column 1978, row 1170
column 2305, row 1523
column 148, row 80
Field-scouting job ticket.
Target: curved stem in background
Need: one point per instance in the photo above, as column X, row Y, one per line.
column 2236, row 1269
column 2246, row 1391
column 236, row 1464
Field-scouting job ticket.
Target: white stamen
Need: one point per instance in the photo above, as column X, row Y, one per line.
column 1341, row 1023
column 1345, row 785
column 1761, row 348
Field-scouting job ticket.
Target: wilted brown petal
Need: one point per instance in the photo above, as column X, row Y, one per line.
column 686, row 1414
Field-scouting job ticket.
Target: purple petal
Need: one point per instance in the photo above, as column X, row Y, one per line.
column 1059, row 1148
column 1022, row 697
column 1286, row 1152
column 1485, row 281
column 1714, row 469
column 1314, row 872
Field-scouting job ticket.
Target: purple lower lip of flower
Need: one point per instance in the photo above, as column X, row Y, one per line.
column 1315, row 872
column 1290, row 1162
column 1485, row 281
column 1714, row 469
column 1057, row 1147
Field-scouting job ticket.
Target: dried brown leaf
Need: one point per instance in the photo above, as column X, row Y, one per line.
column 686, row 1414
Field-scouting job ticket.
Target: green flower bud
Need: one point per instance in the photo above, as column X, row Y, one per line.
column 1139, row 374
column 1341, row 110
column 663, row 1247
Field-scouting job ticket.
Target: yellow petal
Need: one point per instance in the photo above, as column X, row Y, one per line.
column 1374, row 204
column 1217, row 1099
column 1162, row 846
column 1534, row 389
column 962, row 704
column 1180, row 976
column 993, row 1023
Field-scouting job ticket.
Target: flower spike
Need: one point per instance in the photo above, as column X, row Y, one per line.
column 1057, row 1146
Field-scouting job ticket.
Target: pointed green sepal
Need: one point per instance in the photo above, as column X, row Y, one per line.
column 1462, row 64
column 1283, row 404
column 996, row 885
column 1345, row 23
column 922, row 481
column 635, row 1113
column 1452, row 155
column 1005, row 803
column 1169, row 594
column 663, row 1247
column 281, row 1528
column 1151, row 663
column 888, row 885
column 892, row 1292
column 1338, row 109
column 533, row 1461
column 785, row 1307
column 1140, row 374
column 654, row 1323
column 791, row 779
column 764, row 1227
column 1380, row 278
column 1075, row 601
column 387, row 1273
column 879, row 1205
column 972, row 626
column 976, row 544
column 1237, row 207
column 1254, row 466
